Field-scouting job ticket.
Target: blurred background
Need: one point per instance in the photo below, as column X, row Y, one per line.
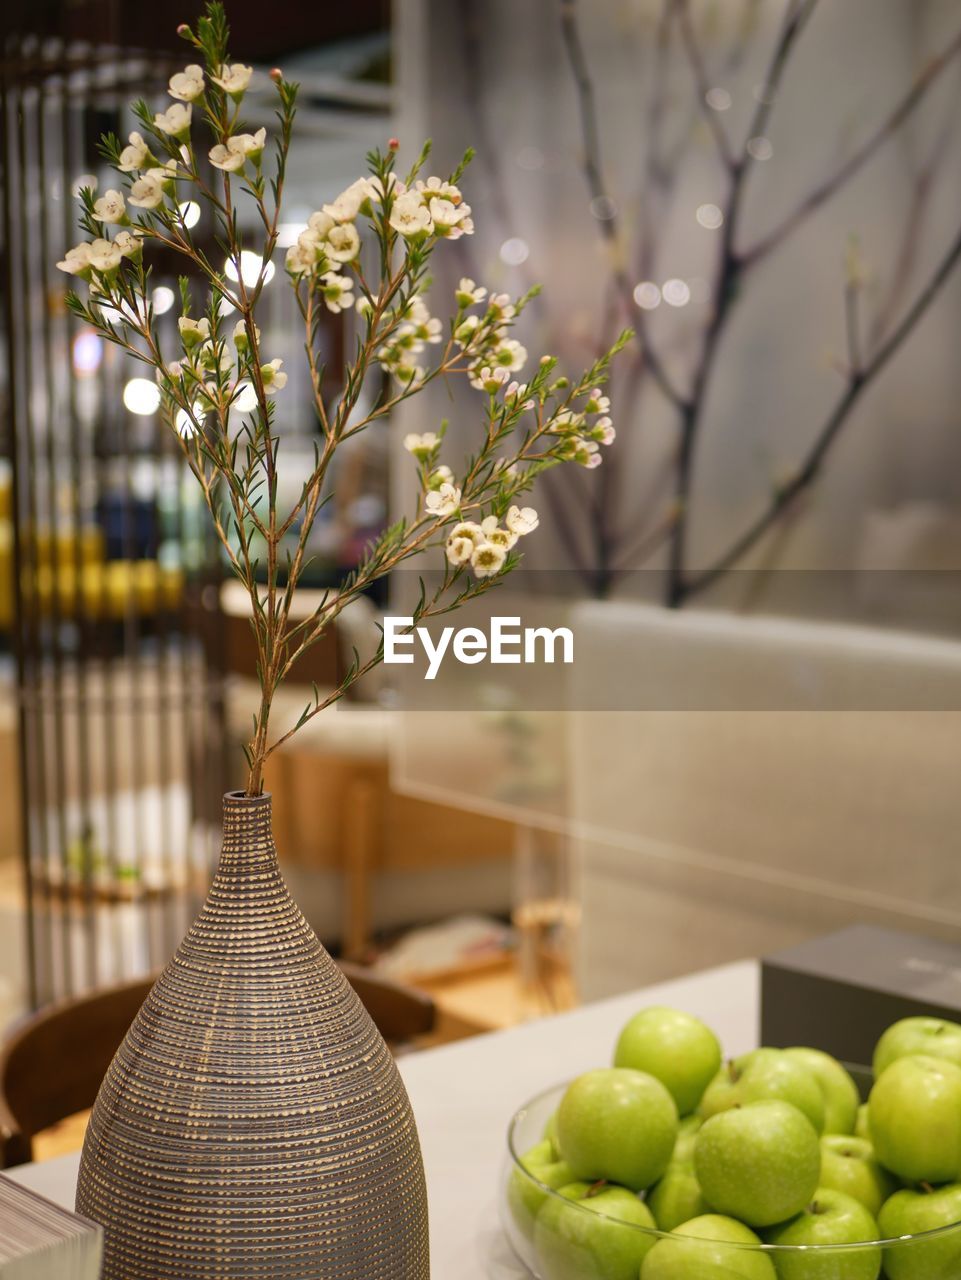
column 759, row 738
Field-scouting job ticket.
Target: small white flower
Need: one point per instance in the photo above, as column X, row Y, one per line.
column 443, row 501
column 464, row 228
column 509, row 354
column 440, row 475
column 222, row 157
column 488, row 559
column 416, row 310
column 250, row 145
column 319, row 223
column 598, row 402
column 130, row 245
column 337, row 291
column 500, row 308
column 437, row 187
column 272, row 375
column 522, row 520
column 239, row 335
column 175, row 120
column 423, row 327
column 165, row 173
column 566, row 422
column 422, row 446
column 586, row 454
column 446, row 216
column 410, row 216
column 603, row 431
column 343, row 243
column 489, row 379
column 213, row 358
column 104, row 255
column 135, row 155
column 467, row 292
column 346, row 206
column 233, row 78
column 76, row 261
column 502, row 538
column 301, row 257
column 469, row 529
column 193, row 332
column 110, row 208
column 499, row 537
column 187, row 85
column 363, row 306
column 459, row 550
column 465, row 332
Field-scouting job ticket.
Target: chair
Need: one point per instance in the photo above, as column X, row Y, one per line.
column 51, row 1066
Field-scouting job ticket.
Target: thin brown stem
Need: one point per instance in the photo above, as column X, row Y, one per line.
column 845, row 171
column 857, row 383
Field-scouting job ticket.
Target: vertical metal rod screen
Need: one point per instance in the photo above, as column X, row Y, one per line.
column 110, row 603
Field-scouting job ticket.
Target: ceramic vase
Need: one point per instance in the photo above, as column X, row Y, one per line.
column 253, row 1123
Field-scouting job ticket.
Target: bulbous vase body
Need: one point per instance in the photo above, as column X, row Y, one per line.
column 253, row 1123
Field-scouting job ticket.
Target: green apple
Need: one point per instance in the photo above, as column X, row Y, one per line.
column 678, row 1197
column 764, row 1075
column 911, row 1212
column 687, row 1132
column 934, row 1037
column 840, row 1093
column 759, row 1162
column 618, row 1125
column 915, row 1116
column 849, row 1164
column 832, row 1218
column 862, row 1126
column 708, row 1248
column 590, row 1232
column 526, row 1195
column 550, row 1131
column 675, row 1048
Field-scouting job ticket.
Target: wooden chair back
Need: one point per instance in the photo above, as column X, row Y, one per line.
column 53, row 1063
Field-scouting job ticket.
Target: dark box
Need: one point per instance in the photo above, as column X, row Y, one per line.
column 840, row 991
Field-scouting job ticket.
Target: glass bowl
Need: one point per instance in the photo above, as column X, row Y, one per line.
column 572, row 1252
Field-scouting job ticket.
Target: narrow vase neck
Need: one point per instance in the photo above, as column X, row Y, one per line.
column 248, row 842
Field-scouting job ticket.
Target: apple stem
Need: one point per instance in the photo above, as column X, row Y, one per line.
column 926, row 1187
column 595, row 1187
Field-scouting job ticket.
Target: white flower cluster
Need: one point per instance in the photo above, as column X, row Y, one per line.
column 330, row 239
column 100, row 258
column 497, row 356
column 482, row 546
column 581, row 439
column 232, row 155
column 415, row 329
column 203, row 360
column 431, row 208
column 485, row 546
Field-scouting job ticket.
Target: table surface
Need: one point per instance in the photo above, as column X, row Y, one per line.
column 464, row 1094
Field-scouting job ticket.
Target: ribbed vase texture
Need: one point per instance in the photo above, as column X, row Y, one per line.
column 253, row 1123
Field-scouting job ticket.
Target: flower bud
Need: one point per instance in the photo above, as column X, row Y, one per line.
column 393, row 144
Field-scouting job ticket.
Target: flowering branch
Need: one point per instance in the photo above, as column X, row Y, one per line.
column 368, row 251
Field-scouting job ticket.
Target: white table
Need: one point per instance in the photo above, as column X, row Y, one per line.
column 463, row 1095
